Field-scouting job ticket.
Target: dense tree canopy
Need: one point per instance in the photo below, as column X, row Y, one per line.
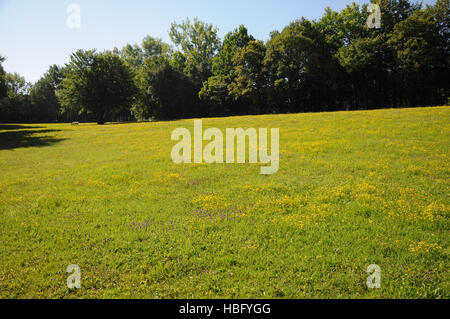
column 250, row 80
column 333, row 63
column 199, row 44
column 97, row 83
column 2, row 79
column 43, row 95
column 215, row 90
column 16, row 106
column 165, row 92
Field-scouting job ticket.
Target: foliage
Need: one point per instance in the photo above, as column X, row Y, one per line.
column 333, row 63
column 43, row 95
column 214, row 90
column 150, row 48
column 199, row 43
column 3, row 88
column 16, row 106
column 250, row 80
column 99, row 83
column 161, row 88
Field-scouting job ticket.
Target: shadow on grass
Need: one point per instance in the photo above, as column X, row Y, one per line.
column 26, row 138
column 6, row 127
column 119, row 123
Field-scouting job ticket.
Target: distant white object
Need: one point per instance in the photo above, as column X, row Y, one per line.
column 75, row 123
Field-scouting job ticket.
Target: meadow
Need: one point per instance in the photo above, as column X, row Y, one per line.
column 353, row 189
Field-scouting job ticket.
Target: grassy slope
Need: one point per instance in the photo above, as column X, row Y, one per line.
column 353, row 189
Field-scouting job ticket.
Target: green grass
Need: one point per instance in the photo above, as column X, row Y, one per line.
column 353, row 189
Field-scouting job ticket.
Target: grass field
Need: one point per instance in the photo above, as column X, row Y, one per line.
column 353, row 189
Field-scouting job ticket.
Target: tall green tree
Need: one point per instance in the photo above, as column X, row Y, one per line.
column 341, row 28
column 390, row 88
column 98, row 83
column 420, row 56
column 298, row 61
column 133, row 55
column 150, row 47
column 348, row 41
column 43, row 95
column 215, row 89
column 155, row 48
column 441, row 14
column 199, row 43
column 16, row 107
column 2, row 78
column 395, row 11
column 164, row 92
column 233, row 41
column 250, row 82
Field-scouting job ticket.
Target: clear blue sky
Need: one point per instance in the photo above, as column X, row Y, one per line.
column 34, row 34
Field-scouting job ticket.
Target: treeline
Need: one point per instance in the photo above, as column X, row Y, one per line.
column 334, row 63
